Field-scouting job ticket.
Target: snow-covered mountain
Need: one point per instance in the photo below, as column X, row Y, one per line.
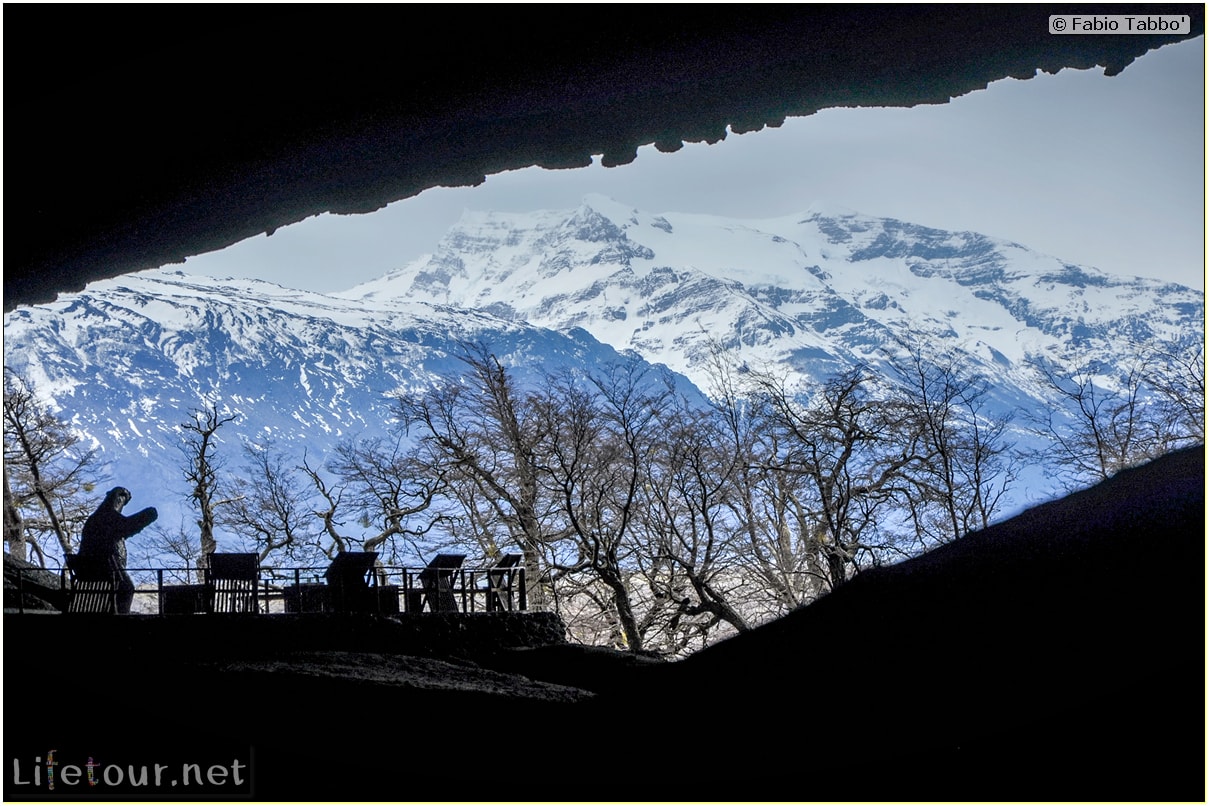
column 813, row 293
column 127, row 360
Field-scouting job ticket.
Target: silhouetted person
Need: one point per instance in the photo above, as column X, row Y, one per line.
column 104, row 538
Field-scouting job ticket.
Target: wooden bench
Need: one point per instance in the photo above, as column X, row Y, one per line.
column 436, row 585
column 176, row 600
column 501, row 579
column 232, row 583
column 352, row 585
column 94, row 585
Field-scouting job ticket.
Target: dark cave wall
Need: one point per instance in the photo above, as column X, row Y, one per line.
column 220, row 637
column 141, row 135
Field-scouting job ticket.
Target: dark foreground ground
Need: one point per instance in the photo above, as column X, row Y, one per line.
column 1057, row 656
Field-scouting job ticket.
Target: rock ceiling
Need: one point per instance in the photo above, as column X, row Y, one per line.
column 140, row 135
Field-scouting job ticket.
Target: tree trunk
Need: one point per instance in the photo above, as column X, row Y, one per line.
column 837, row 568
column 625, row 611
column 208, row 547
column 535, row 591
column 14, row 527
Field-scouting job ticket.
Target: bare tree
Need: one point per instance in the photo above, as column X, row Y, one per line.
column 48, row 474
column 783, row 536
column 14, row 524
column 839, row 441
column 780, row 546
column 274, row 511
column 179, row 544
column 201, row 471
column 1101, row 437
column 388, row 489
column 597, row 433
column 690, row 536
column 471, row 518
column 327, row 511
column 482, row 430
column 1176, row 372
column 1118, row 417
column 966, row 464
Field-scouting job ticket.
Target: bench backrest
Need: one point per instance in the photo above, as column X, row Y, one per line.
column 92, row 597
column 352, row 569
column 500, row 579
column 436, row 581
column 94, row 585
column 231, row 583
column 349, row 579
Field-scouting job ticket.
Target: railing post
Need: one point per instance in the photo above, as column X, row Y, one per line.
column 524, row 599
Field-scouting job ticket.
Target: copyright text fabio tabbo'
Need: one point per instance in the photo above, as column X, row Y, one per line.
column 1120, row 24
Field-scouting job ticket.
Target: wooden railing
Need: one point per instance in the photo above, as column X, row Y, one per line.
column 302, row 589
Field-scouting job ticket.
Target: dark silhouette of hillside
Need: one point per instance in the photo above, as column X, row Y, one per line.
column 1056, row 656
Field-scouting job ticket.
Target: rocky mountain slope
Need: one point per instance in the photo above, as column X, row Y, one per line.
column 812, row 292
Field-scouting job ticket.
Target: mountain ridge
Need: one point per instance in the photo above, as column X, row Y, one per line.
column 806, row 295
column 783, row 283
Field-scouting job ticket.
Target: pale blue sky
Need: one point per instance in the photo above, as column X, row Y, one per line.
column 1107, row 172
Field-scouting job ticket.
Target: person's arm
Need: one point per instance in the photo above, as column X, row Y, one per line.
column 133, row 524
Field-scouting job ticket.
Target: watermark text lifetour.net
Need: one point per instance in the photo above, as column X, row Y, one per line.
column 74, row 774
